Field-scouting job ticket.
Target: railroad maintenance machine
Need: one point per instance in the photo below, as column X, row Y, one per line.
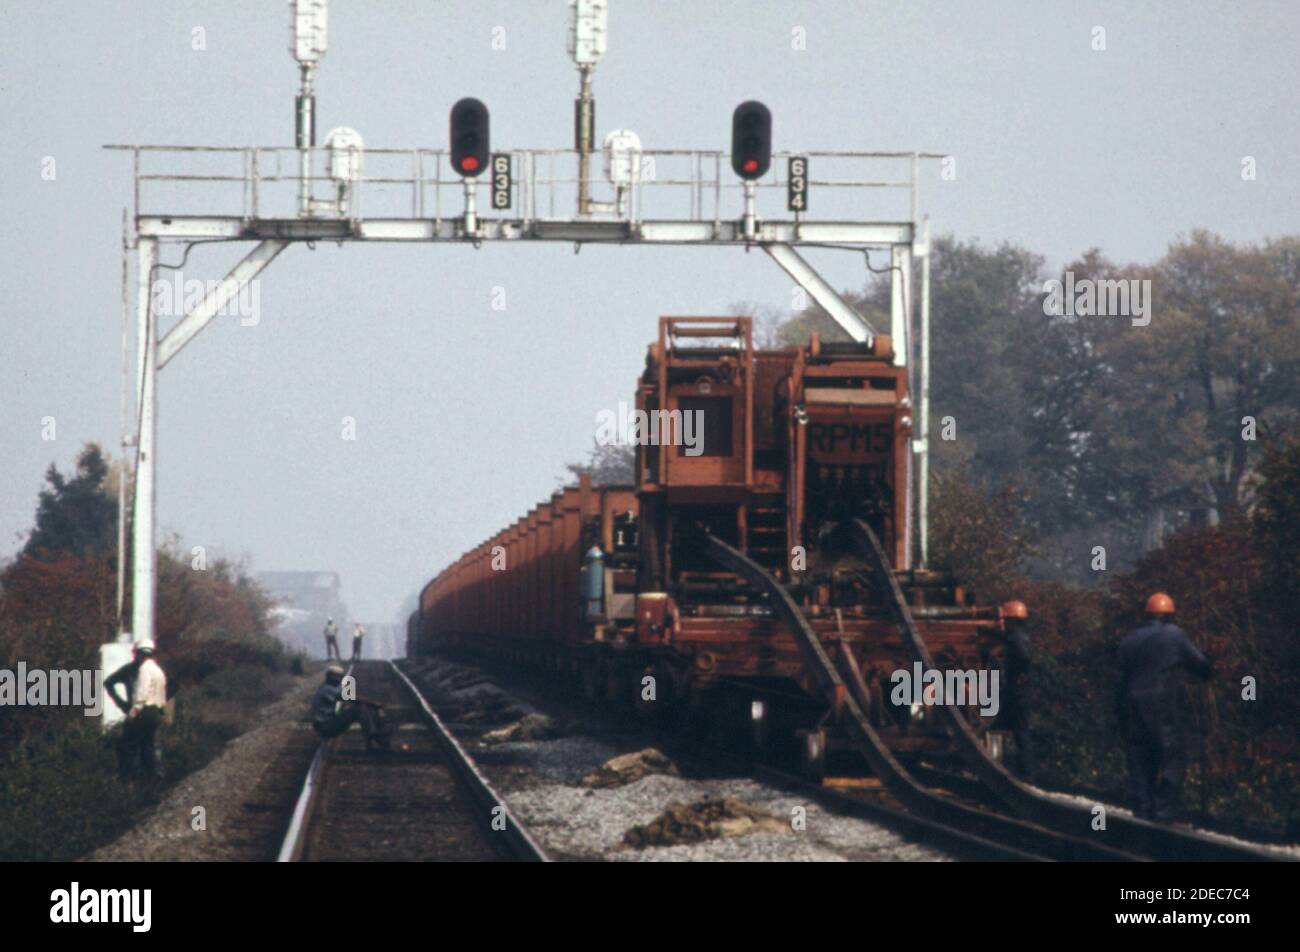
column 768, row 521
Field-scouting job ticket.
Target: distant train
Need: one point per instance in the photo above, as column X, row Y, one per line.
column 667, row 597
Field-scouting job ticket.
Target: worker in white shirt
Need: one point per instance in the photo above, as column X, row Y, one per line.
column 357, row 634
column 332, row 641
column 144, row 707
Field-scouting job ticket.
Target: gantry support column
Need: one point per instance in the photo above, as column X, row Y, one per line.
column 922, row 444
column 144, row 556
column 900, row 328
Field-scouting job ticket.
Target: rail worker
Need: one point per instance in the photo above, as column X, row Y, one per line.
column 1150, row 709
column 332, row 640
column 331, row 715
column 1014, row 709
column 357, row 634
column 144, row 707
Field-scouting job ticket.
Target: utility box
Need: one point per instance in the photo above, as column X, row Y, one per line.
column 346, row 152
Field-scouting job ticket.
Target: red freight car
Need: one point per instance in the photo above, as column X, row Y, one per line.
column 776, row 454
column 517, row 594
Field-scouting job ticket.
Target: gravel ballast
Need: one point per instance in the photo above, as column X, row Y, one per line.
column 542, row 780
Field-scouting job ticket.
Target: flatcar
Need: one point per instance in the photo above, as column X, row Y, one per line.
column 775, row 454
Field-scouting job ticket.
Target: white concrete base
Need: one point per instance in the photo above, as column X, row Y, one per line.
column 111, row 657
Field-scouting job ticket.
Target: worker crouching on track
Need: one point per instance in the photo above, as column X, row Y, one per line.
column 331, row 715
column 144, row 707
column 1150, row 709
column 1014, row 713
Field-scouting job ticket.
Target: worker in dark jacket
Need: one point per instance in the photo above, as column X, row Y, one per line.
column 1014, row 713
column 1150, row 709
column 331, row 715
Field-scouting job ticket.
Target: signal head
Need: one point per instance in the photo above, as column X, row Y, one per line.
column 470, row 140
column 751, row 140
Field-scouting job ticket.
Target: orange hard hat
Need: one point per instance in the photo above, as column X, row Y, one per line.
column 1015, row 609
column 1160, row 604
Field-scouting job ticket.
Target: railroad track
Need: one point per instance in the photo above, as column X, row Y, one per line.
column 972, row 817
column 422, row 799
column 964, row 830
column 1160, row 841
column 943, row 773
column 957, row 813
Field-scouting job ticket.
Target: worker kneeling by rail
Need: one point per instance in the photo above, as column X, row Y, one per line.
column 331, row 714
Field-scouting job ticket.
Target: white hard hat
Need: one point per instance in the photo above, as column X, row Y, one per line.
column 144, row 644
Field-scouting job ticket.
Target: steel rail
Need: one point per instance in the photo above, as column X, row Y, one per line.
column 295, row 837
column 919, row 828
column 521, row 843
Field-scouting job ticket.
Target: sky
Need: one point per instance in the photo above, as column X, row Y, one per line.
column 474, row 375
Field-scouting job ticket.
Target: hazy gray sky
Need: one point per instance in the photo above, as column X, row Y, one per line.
column 466, row 414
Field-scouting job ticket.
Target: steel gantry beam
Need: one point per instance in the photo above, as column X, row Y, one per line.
column 211, row 305
column 843, row 313
column 621, row 231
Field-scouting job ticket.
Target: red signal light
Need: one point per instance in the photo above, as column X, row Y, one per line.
column 470, row 151
column 751, row 140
